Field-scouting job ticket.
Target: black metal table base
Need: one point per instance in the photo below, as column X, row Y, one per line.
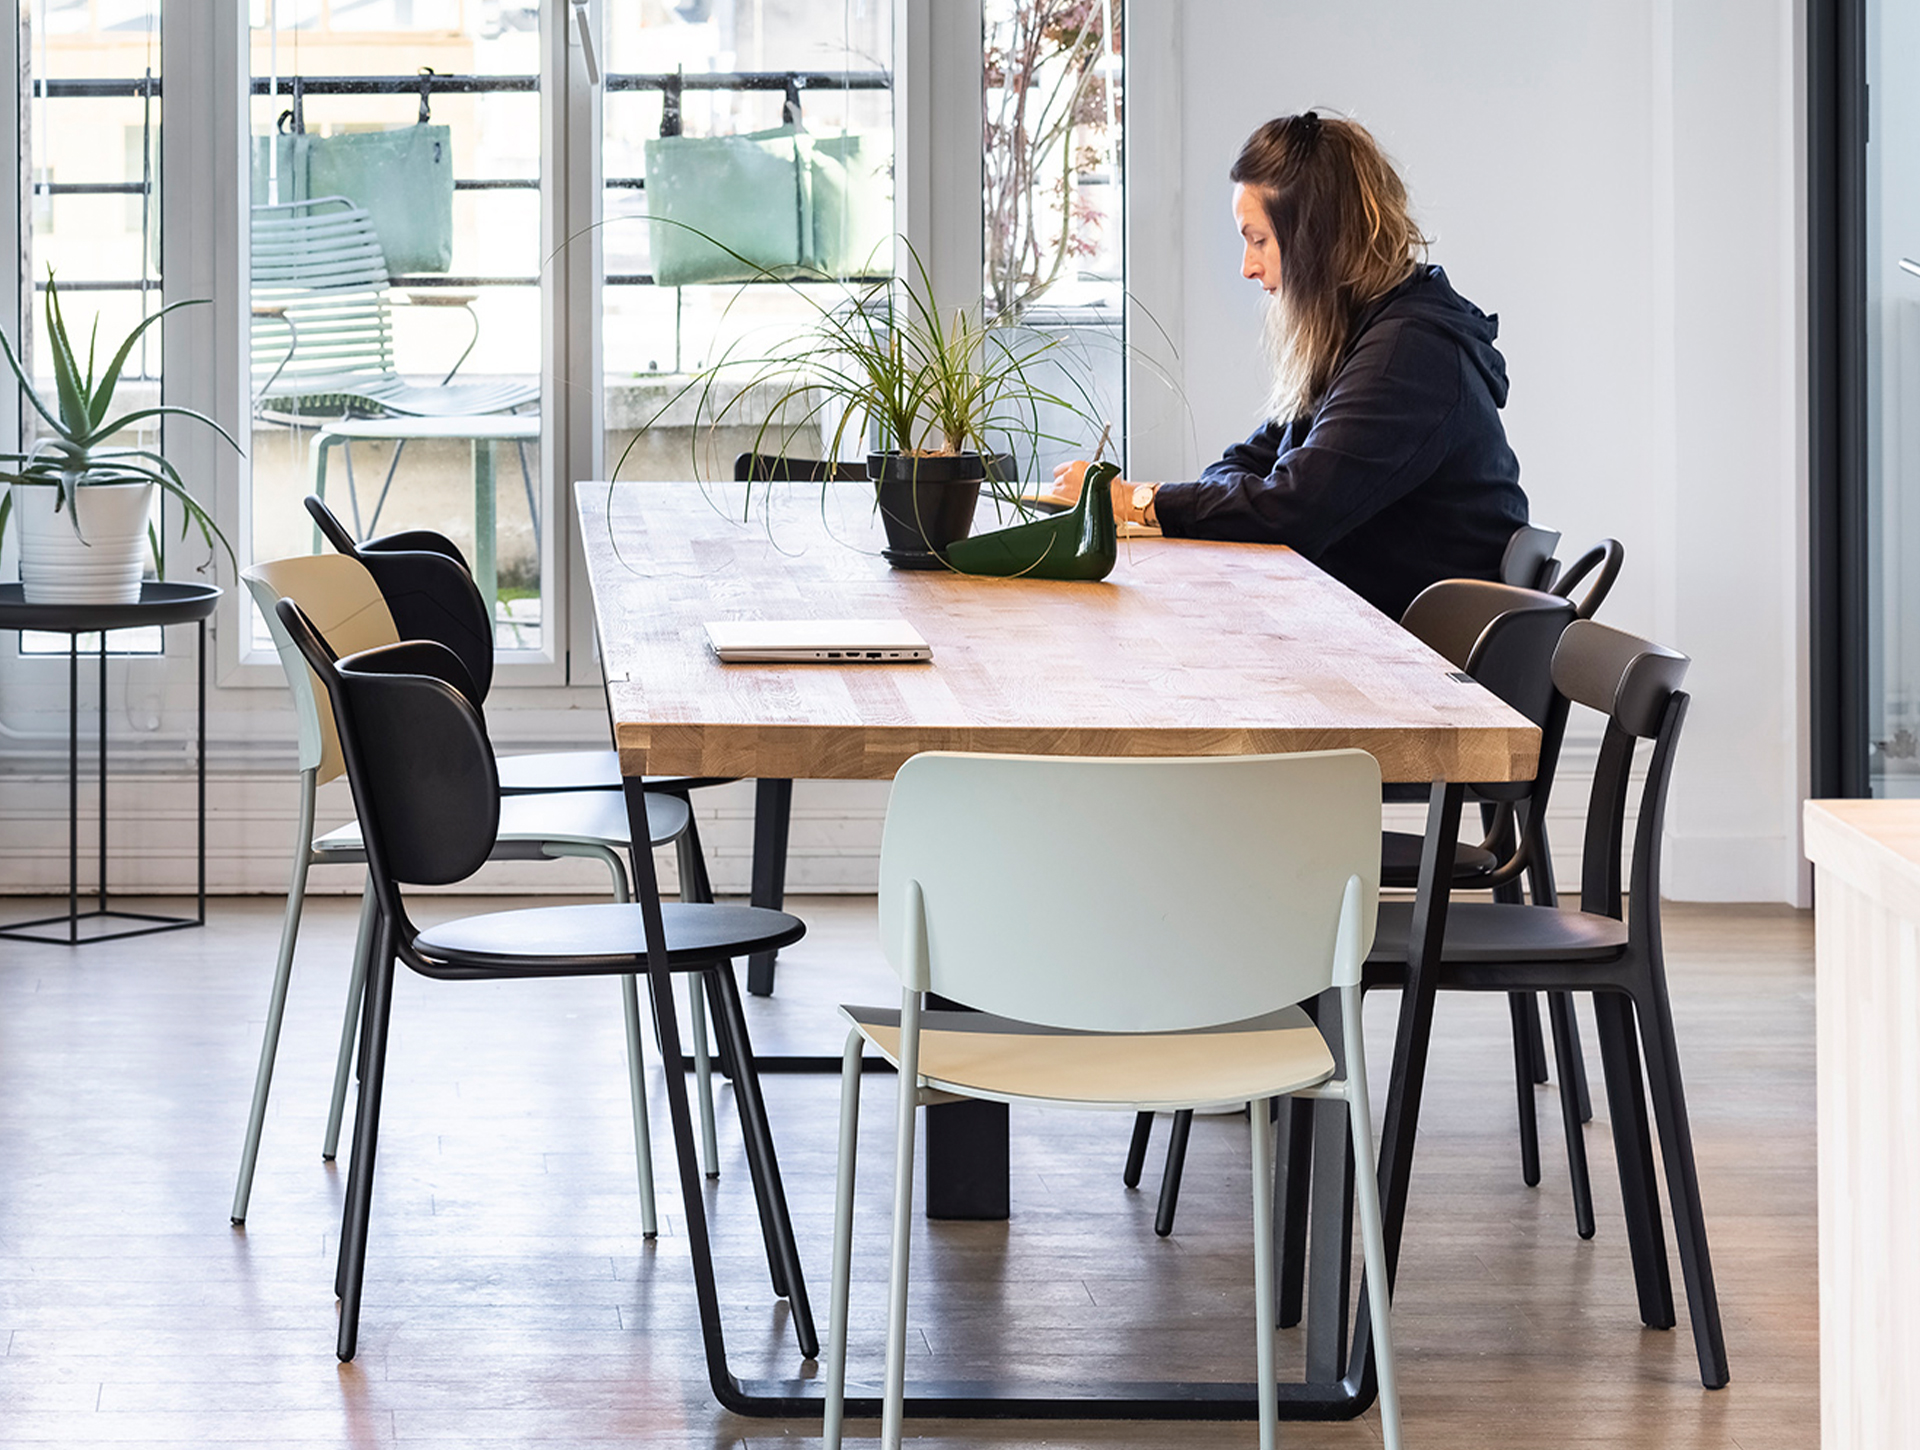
column 160, row 604
column 1017, row 1400
column 73, row 936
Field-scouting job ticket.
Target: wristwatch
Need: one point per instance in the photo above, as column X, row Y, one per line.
column 1143, row 503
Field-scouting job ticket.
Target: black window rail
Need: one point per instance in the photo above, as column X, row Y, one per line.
column 792, row 84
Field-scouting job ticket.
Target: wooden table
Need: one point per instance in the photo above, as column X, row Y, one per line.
column 1187, row 649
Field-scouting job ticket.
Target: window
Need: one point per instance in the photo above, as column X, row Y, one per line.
column 763, row 112
column 93, row 144
column 1052, row 221
column 413, row 400
column 572, row 324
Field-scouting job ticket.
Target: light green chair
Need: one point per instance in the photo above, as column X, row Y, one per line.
column 1096, row 990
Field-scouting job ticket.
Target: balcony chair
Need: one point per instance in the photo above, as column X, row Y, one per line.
column 323, row 337
column 428, row 796
column 1094, row 994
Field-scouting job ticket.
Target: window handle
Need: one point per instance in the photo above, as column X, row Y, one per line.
column 585, row 33
column 1907, row 264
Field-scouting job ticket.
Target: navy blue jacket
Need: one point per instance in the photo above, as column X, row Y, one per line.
column 1401, row 477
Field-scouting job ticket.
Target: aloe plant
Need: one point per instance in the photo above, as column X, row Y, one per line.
column 76, row 454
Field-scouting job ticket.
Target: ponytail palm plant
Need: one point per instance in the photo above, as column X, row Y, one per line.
column 883, row 363
column 76, row 453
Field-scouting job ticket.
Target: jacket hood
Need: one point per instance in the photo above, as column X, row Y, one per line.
column 1430, row 298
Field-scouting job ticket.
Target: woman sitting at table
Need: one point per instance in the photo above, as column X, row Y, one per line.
column 1383, row 460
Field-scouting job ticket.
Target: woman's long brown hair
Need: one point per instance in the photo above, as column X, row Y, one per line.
column 1339, row 213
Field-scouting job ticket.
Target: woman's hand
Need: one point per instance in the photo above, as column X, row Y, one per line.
column 1069, row 478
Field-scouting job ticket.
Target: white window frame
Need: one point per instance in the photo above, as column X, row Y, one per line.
column 938, row 140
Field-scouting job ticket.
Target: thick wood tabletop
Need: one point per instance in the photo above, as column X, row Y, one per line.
column 1187, row 648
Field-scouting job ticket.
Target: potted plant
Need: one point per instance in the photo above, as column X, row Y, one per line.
column 95, row 554
column 948, row 400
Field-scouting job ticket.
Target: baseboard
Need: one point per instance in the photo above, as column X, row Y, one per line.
column 834, row 844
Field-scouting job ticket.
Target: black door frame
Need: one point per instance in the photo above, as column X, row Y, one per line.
column 1837, row 524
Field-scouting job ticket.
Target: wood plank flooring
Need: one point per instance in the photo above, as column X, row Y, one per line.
column 512, row 1300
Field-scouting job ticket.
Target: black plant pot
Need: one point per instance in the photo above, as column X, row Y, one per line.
column 925, row 502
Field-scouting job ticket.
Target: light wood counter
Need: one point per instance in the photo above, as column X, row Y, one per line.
column 1866, row 857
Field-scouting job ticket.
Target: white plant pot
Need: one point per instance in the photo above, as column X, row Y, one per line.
column 58, row 566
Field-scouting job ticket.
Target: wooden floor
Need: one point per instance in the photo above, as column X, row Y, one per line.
column 511, row 1299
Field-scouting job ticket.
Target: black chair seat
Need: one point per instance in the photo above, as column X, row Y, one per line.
column 1400, row 861
column 549, row 941
column 1495, row 932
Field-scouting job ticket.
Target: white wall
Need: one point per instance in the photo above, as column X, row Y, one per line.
column 1617, row 183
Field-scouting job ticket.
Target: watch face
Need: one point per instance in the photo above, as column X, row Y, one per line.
column 1143, row 495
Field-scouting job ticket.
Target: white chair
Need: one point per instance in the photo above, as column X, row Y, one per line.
column 1100, row 982
column 347, row 606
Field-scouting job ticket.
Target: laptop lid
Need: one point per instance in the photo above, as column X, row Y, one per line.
column 817, row 641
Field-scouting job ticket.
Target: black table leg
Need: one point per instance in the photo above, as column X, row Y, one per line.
column 772, row 815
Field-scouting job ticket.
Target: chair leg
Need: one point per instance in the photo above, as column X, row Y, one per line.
column 1375, row 1291
column 1683, row 1183
column 696, row 886
column 1518, row 1004
column 353, row 489
column 350, row 1023
column 703, row 1075
column 363, row 1031
column 1565, row 1051
column 894, row 1390
column 1573, row 1065
column 1263, row 1356
column 1137, row 1149
column 636, row 1067
column 1292, row 1207
column 366, row 1137
column 1541, row 885
column 1633, row 1152
column 277, row 999
column 1170, row 1175
column 1536, row 1037
column 637, row 1085
column 789, row 1281
column 836, row 1402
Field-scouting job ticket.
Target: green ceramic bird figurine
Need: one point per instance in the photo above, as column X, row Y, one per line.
column 1082, row 543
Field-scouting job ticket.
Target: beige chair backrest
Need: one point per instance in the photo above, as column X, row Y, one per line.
column 345, row 605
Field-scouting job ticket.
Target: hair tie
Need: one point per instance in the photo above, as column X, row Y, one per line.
column 1307, row 123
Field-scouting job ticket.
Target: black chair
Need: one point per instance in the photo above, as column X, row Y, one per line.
column 1528, row 562
column 429, row 590
column 427, row 793
column 1504, row 947
column 429, row 600
column 773, row 799
column 1504, row 637
column 1606, row 557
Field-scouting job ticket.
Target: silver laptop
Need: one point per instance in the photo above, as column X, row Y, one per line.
column 817, row 641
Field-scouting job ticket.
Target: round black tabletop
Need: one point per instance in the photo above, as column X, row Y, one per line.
column 159, row 604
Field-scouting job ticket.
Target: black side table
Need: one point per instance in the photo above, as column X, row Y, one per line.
column 160, row 604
